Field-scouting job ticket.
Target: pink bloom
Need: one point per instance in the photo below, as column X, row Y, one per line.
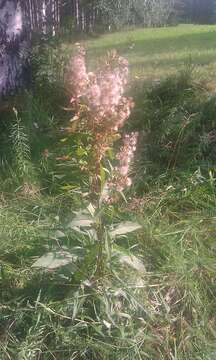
column 98, row 100
column 125, row 157
column 79, row 76
column 124, row 170
column 94, row 95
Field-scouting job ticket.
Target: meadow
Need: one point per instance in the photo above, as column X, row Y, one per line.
column 155, row 53
column 157, row 298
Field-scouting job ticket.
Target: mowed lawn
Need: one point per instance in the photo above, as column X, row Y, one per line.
column 153, row 53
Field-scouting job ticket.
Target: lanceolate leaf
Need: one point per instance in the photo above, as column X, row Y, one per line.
column 127, row 259
column 125, row 228
column 91, row 209
column 133, row 262
column 54, row 260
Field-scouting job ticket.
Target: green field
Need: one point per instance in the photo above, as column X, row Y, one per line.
column 164, row 306
column 153, row 53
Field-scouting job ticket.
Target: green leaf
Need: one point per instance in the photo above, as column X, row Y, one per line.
column 54, row 260
column 59, row 177
column 81, row 152
column 127, row 259
column 58, row 234
column 107, row 324
column 125, row 228
column 133, row 262
column 91, row 209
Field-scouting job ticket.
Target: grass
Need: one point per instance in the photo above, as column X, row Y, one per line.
column 164, row 309
column 155, row 53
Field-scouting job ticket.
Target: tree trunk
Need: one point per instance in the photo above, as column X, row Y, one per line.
column 13, row 47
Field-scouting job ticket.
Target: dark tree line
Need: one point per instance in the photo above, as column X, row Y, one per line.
column 199, row 11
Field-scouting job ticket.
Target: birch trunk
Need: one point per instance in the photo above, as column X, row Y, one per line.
column 13, row 47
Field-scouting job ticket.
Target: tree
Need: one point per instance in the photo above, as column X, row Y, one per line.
column 157, row 12
column 137, row 12
column 203, row 11
column 13, row 47
column 199, row 11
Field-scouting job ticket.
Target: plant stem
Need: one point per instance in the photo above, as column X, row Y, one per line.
column 100, row 255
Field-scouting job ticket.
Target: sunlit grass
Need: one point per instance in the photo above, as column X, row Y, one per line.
column 153, row 53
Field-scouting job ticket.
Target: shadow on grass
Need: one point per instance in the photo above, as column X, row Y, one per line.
column 198, row 41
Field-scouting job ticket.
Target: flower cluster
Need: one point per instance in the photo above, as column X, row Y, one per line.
column 125, row 156
column 99, row 104
column 102, row 92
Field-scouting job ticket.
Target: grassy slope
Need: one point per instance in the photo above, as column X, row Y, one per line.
column 177, row 246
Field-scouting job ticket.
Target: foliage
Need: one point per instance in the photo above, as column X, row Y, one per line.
column 138, row 312
column 178, row 129
column 21, row 148
column 48, row 65
column 117, row 14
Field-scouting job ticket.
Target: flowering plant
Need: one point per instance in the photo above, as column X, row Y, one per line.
column 101, row 109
